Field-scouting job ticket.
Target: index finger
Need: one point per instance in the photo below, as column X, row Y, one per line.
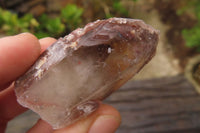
column 17, row 54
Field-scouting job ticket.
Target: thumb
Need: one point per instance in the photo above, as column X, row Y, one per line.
column 105, row 119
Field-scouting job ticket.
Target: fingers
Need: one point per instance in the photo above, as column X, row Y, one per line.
column 9, row 107
column 2, row 127
column 17, row 54
column 105, row 120
column 46, row 42
column 41, row 127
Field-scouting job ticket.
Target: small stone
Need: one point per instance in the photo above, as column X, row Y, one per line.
column 69, row 79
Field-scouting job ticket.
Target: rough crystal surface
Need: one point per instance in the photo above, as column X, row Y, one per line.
column 72, row 75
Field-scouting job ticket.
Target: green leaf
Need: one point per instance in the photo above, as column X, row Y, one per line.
column 54, row 25
column 192, row 37
column 41, row 34
column 71, row 15
column 34, row 22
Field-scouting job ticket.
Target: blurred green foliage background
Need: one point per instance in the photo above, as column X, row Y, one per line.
column 72, row 16
column 68, row 19
column 43, row 26
column 192, row 35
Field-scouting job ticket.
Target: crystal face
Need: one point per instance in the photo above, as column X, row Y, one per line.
column 84, row 67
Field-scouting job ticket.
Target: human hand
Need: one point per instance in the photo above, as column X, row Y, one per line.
column 17, row 54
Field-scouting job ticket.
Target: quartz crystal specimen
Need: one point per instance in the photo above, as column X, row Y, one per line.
column 82, row 68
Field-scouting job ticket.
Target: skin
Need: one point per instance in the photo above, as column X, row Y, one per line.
column 17, row 54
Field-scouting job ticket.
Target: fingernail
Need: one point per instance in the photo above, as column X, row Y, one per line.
column 105, row 124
